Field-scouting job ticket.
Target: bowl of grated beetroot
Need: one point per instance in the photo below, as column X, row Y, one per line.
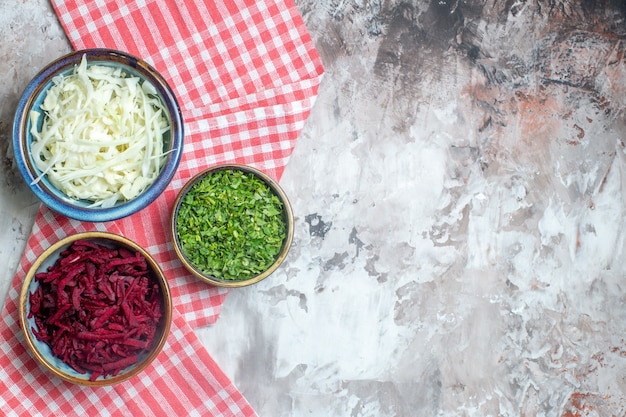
column 95, row 309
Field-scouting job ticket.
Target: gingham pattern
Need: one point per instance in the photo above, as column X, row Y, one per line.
column 246, row 75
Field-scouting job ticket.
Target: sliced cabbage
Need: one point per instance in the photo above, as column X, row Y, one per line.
column 102, row 135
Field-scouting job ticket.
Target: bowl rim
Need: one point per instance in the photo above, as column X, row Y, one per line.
column 274, row 186
column 20, row 135
column 158, row 275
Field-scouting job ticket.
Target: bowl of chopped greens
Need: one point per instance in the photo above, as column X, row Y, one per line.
column 232, row 225
column 98, row 135
column 95, row 309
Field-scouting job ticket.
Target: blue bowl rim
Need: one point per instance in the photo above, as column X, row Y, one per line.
column 65, row 206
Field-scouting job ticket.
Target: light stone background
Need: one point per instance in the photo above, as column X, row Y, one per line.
column 459, row 193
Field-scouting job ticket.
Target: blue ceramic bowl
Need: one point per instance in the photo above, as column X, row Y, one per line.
column 32, row 99
column 43, row 353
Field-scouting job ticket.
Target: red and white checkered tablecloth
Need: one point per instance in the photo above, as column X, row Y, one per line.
column 246, row 74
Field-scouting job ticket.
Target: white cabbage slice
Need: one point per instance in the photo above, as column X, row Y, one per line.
column 102, row 135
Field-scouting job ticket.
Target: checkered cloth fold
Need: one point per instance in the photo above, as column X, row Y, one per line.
column 246, row 74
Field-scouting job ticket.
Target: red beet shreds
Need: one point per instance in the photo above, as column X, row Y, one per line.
column 97, row 308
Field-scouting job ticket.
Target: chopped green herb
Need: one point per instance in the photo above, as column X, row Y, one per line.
column 230, row 225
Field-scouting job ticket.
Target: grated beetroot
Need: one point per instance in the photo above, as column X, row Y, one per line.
column 97, row 308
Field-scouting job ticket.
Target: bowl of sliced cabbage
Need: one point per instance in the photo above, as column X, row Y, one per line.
column 98, row 135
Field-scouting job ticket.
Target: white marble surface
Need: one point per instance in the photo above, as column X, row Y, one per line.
column 459, row 192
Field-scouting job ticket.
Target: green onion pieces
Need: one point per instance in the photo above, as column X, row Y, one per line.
column 230, row 225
